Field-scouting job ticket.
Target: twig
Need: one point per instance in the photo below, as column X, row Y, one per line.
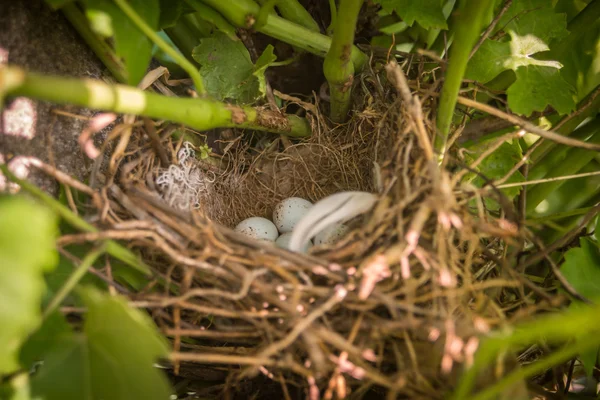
column 528, row 126
column 558, row 178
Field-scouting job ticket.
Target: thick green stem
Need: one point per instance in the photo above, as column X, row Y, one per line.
column 243, row 13
column 209, row 15
column 200, row 114
column 575, row 160
column 164, row 46
column 113, row 248
column 472, row 15
column 293, row 11
column 98, row 45
column 338, row 67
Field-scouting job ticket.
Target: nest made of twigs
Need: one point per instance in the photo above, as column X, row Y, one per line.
column 392, row 308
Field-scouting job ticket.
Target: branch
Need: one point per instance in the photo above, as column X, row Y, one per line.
column 200, row 114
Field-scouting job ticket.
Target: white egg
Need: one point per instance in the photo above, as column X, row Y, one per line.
column 283, row 241
column 258, row 228
column 289, row 211
column 331, row 235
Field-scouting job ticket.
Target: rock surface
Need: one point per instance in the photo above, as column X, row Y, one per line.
column 39, row 39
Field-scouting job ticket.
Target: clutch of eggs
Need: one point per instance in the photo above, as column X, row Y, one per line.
column 258, row 228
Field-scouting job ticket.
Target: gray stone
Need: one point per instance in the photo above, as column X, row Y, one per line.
column 39, row 39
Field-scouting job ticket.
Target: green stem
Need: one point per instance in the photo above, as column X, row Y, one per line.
column 472, row 15
column 98, row 45
column 338, row 67
column 293, row 11
column 199, row 114
column 267, row 8
column 242, row 13
column 164, row 46
column 113, row 248
column 209, row 15
column 333, row 12
column 73, row 280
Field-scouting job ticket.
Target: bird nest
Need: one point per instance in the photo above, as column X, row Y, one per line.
column 395, row 307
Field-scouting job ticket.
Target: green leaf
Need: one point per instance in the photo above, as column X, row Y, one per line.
column 263, row 62
column 111, row 359
column 22, row 266
column 488, row 61
column 582, row 269
column 130, row 43
column 534, row 17
column 54, row 328
column 170, row 11
column 226, row 69
column 531, row 25
column 428, row 13
column 537, row 87
column 496, row 166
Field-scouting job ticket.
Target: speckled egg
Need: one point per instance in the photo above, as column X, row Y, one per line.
column 283, row 241
column 258, row 228
column 331, row 235
column 288, row 212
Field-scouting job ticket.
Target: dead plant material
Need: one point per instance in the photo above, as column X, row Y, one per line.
column 393, row 307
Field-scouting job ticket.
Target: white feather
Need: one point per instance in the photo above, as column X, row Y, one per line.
column 337, row 208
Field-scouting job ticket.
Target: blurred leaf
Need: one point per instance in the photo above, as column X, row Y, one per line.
column 37, row 345
column 226, row 68
column 428, row 13
column 597, row 230
column 130, row 43
column 112, row 359
column 170, row 11
column 22, row 266
column 536, row 87
column 263, row 62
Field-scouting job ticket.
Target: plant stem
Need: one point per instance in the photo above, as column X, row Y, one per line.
column 333, row 12
column 98, row 45
column 113, row 248
column 243, row 13
column 209, row 15
column 164, row 46
column 472, row 15
column 338, row 67
column 200, row 114
column 293, row 11
column 74, row 278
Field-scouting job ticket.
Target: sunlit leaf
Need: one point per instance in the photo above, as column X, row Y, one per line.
column 22, row 266
column 111, row 359
column 428, row 13
column 226, row 68
column 536, row 87
column 489, row 61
